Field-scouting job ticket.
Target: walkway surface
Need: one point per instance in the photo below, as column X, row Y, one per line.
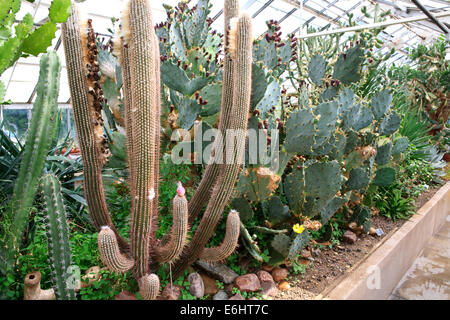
column 429, row 276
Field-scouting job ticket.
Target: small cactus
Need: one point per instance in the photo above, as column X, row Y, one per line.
column 37, row 146
column 58, row 237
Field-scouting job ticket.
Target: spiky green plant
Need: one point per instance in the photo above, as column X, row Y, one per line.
column 37, row 146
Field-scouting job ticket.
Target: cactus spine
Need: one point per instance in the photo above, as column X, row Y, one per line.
column 230, row 170
column 140, row 58
column 37, row 146
column 58, row 237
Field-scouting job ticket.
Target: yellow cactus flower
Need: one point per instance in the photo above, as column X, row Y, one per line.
column 200, row 68
column 298, row 228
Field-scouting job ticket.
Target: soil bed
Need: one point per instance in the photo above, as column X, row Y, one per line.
column 331, row 265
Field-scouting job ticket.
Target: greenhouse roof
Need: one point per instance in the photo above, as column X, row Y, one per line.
column 20, row 79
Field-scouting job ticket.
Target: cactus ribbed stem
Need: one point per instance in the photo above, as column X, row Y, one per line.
column 155, row 209
column 110, row 252
column 37, row 146
column 149, row 286
column 203, row 192
column 140, row 36
column 229, row 243
column 128, row 105
column 85, row 111
column 241, row 107
column 174, row 241
column 58, row 236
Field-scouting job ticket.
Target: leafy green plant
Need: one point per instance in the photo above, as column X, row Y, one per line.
column 22, row 39
column 392, row 204
column 220, row 285
column 109, row 285
column 245, row 294
column 298, row 268
column 425, row 88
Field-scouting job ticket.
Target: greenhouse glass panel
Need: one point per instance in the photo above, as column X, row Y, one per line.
column 15, row 121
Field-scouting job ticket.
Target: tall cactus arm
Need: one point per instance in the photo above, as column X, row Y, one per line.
column 149, row 286
column 241, row 107
column 229, row 243
column 110, row 252
column 37, row 146
column 85, row 103
column 203, row 192
column 122, row 51
column 58, row 237
column 173, row 243
column 140, row 36
column 155, row 208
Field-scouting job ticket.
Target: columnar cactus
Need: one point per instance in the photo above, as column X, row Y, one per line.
column 203, row 192
column 58, row 237
column 138, row 50
column 37, row 146
column 240, row 48
column 86, row 100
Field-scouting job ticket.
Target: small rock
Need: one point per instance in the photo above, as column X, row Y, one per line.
column 267, row 268
column 248, row 282
column 349, row 237
column 218, row 271
column 305, row 254
column 284, row 286
column 379, row 232
column 264, row 276
column 196, row 285
column 279, row 274
column 269, row 289
column 372, row 231
column 237, row 297
column 211, row 287
column 171, row 292
column 267, row 284
column 220, row 295
column 305, row 262
column 354, row 226
column 125, row 295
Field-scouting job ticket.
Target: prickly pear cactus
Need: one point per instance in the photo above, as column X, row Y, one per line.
column 190, row 63
column 336, row 140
